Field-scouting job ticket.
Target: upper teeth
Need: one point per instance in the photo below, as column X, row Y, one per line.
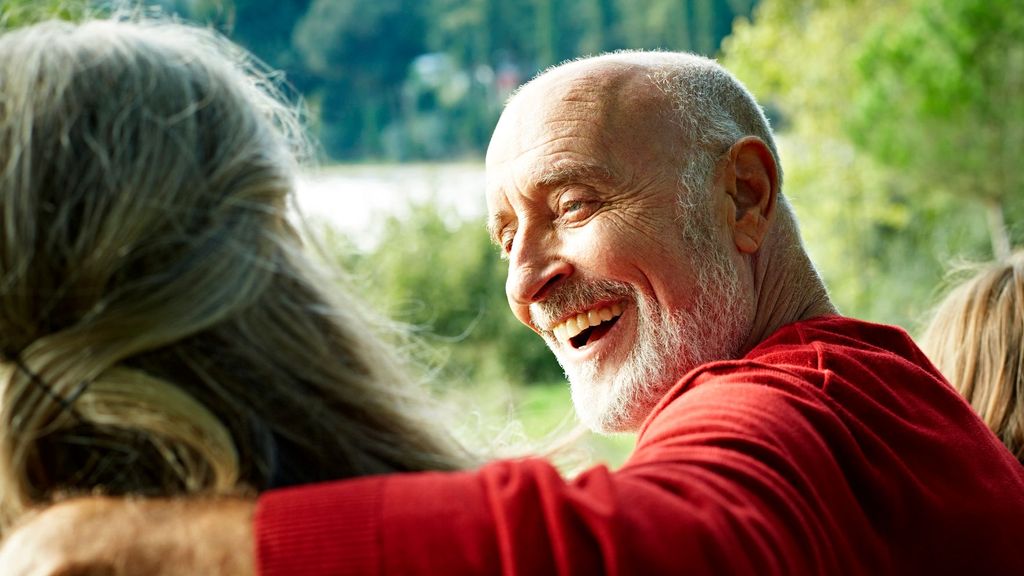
column 580, row 322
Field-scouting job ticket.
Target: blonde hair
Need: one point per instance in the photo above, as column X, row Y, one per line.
column 161, row 330
column 976, row 338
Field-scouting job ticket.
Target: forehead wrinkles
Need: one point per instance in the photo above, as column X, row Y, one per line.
column 546, row 122
column 608, row 115
column 565, row 125
column 561, row 123
column 555, row 121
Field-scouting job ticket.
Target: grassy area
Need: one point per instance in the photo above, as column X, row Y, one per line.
column 515, row 420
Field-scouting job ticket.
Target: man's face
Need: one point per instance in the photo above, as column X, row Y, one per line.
column 629, row 289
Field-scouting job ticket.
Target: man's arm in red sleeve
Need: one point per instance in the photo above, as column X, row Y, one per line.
column 725, row 479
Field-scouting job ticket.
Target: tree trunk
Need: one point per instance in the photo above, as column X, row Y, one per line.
column 997, row 228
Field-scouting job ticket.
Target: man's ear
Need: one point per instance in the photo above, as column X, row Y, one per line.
column 752, row 182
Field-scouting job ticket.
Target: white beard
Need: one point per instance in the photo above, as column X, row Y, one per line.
column 610, row 399
column 618, row 398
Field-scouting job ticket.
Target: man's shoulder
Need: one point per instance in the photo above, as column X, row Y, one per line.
column 842, row 332
column 814, row 351
column 841, row 365
column 835, row 349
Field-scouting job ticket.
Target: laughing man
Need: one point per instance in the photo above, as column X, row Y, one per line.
column 637, row 199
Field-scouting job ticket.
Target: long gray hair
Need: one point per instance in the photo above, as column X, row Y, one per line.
column 161, row 330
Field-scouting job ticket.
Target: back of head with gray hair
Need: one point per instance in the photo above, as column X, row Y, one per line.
column 161, row 329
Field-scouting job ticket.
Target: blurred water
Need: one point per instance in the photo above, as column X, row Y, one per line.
column 355, row 198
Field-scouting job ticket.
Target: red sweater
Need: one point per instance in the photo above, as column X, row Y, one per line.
column 834, row 447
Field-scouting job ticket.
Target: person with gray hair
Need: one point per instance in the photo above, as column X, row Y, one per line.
column 163, row 332
column 637, row 200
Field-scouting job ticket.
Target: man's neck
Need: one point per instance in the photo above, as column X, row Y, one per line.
column 787, row 290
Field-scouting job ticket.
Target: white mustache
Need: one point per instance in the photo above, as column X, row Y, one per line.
column 569, row 299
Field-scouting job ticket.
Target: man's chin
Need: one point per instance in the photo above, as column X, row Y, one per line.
column 609, row 407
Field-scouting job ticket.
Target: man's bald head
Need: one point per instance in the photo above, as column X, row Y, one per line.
column 708, row 106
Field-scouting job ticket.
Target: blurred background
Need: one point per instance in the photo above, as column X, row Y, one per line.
column 900, row 123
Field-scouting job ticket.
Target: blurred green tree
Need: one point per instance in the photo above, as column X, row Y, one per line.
column 943, row 98
column 881, row 234
column 444, row 278
column 15, row 13
column 263, row 26
column 360, row 52
column 355, row 60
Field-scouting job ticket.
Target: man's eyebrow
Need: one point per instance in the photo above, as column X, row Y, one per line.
column 495, row 222
column 569, row 171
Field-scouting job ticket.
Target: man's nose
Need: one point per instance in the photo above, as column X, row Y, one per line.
column 535, row 268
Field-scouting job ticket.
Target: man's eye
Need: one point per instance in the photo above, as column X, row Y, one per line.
column 575, row 210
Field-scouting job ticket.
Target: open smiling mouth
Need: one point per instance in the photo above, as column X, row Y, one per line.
column 587, row 327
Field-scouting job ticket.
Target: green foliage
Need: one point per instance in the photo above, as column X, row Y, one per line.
column 360, row 52
column 442, row 276
column 445, row 278
column 15, row 13
column 263, row 26
column 955, row 69
column 425, row 79
column 916, row 85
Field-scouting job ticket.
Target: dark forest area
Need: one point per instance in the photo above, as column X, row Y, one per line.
column 405, row 80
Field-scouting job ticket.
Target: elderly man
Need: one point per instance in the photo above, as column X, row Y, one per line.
column 637, row 200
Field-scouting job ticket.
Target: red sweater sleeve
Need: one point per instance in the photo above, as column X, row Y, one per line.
column 747, row 467
column 703, row 494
